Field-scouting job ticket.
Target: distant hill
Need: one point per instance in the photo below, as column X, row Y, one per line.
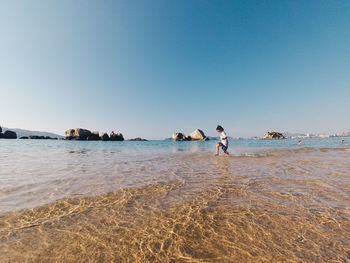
column 22, row 132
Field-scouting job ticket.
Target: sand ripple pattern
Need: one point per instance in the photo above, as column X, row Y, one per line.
column 282, row 207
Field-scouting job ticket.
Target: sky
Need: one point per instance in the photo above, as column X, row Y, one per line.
column 150, row 68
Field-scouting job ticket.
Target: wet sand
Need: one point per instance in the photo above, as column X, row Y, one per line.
column 284, row 207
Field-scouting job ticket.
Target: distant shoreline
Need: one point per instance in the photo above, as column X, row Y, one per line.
column 27, row 133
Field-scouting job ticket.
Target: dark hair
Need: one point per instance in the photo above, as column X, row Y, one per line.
column 219, row 128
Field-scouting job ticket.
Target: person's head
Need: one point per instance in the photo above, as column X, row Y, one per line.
column 219, row 129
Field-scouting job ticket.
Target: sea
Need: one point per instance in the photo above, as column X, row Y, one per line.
column 164, row 201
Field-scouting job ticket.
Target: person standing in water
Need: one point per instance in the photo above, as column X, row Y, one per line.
column 224, row 141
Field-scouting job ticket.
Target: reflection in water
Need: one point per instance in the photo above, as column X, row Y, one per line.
column 284, row 206
column 194, row 148
column 223, row 165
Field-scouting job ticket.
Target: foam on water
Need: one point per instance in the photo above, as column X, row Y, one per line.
column 174, row 202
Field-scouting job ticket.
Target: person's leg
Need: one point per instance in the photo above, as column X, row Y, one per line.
column 224, row 148
column 217, row 149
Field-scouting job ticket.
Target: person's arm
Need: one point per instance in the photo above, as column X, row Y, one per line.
column 224, row 138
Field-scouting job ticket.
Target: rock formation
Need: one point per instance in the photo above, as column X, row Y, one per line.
column 138, row 139
column 104, row 137
column 116, row 136
column 9, row 135
column 36, row 137
column 197, row 135
column 69, row 134
column 179, row 136
column 77, row 134
column 83, row 134
column 94, row 136
column 273, row 135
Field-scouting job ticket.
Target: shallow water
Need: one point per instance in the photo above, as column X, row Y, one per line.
column 159, row 201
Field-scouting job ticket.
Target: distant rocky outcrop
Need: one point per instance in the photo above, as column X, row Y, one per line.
column 8, row 134
column 104, row 137
column 77, row 134
column 274, row 135
column 26, row 133
column 197, row 135
column 36, row 137
column 179, row 136
column 138, row 139
column 94, row 136
column 86, row 135
column 116, row 136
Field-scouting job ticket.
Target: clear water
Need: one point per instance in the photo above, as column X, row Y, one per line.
column 35, row 172
column 164, row 201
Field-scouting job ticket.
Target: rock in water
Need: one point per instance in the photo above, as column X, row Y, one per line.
column 179, row 136
column 273, row 135
column 81, row 134
column 116, row 136
column 10, row 135
column 37, row 137
column 138, row 139
column 94, row 136
column 69, row 134
column 0, row 129
column 77, row 134
column 104, row 137
column 198, row 135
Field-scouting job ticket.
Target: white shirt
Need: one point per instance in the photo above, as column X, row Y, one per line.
column 223, row 135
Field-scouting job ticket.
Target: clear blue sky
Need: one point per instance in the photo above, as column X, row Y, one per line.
column 149, row 68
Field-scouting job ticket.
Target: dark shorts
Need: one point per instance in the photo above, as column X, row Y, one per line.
column 224, row 148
